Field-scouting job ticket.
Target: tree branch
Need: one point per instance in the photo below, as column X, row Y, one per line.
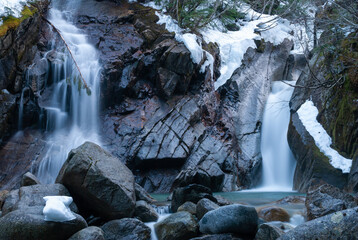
column 69, row 50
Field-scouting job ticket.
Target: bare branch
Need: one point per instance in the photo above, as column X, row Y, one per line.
column 69, row 50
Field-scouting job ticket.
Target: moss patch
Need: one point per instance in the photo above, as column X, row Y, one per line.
column 11, row 22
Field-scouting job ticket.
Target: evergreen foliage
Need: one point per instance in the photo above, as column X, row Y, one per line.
column 195, row 14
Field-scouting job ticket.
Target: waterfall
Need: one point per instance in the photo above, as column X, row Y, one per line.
column 277, row 159
column 163, row 212
column 72, row 114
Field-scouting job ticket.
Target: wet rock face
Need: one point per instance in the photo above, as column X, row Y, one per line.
column 245, row 95
column 17, row 51
column 270, row 214
column 338, row 115
column 327, row 199
column 312, row 165
column 14, row 164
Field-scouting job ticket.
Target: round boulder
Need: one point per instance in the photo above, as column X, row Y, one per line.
column 126, row 228
column 145, row 212
column 98, row 182
column 204, row 206
column 29, row 179
column 270, row 214
column 28, row 223
column 178, row 226
column 188, row 207
column 234, row 218
column 90, row 233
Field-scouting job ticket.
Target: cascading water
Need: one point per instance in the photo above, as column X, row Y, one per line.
column 277, row 159
column 72, row 114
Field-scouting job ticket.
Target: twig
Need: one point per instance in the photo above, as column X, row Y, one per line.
column 69, row 50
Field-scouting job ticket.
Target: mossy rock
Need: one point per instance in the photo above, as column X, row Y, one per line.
column 11, row 22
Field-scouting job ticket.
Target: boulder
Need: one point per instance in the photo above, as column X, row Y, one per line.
column 270, row 214
column 31, row 196
column 217, row 237
column 272, row 230
column 3, row 195
column 180, row 225
column 29, row 179
column 188, row 207
column 28, row 223
column 99, row 182
column 126, row 228
column 327, row 199
column 234, row 218
column 141, row 194
column 90, row 233
column 204, row 206
column 192, row 193
column 338, row 225
column 145, row 212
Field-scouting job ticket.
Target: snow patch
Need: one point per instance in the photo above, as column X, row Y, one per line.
column 57, row 209
column 232, row 44
column 11, row 7
column 308, row 115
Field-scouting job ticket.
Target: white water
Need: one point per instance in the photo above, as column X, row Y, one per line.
column 277, row 159
column 163, row 212
column 72, row 114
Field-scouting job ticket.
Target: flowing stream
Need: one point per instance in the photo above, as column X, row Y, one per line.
column 277, row 159
column 72, row 114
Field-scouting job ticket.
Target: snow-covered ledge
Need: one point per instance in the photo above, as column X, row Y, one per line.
column 308, row 115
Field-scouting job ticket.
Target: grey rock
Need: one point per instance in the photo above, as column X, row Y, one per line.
column 230, row 219
column 204, row 206
column 180, row 225
column 192, row 193
column 338, row 225
column 90, row 233
column 312, row 165
column 217, row 237
column 188, row 207
column 327, row 199
column 31, row 196
column 141, row 194
column 168, row 81
column 99, row 182
column 145, row 212
column 126, row 228
column 268, row 231
column 29, row 223
column 7, row 114
column 29, row 179
column 273, row 213
column 207, row 174
column 245, row 95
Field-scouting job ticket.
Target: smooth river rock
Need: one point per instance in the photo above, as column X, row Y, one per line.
column 234, row 218
column 28, row 223
column 178, row 226
column 90, row 233
column 99, row 182
column 126, row 228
